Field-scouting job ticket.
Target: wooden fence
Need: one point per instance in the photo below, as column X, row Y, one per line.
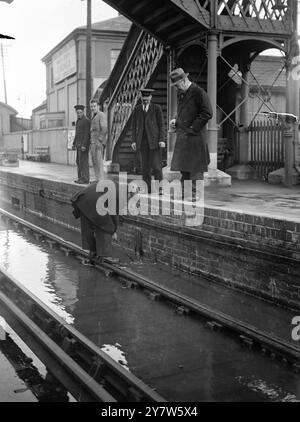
column 266, row 147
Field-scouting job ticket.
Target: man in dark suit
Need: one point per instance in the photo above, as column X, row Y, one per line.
column 191, row 155
column 148, row 136
column 81, row 144
column 97, row 228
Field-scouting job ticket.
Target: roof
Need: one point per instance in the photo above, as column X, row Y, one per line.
column 118, row 24
column 41, row 106
column 266, row 69
column 11, row 109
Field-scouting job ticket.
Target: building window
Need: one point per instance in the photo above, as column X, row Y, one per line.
column 114, row 54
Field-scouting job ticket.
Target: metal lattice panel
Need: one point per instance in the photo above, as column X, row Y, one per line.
column 260, row 9
column 148, row 53
column 275, row 10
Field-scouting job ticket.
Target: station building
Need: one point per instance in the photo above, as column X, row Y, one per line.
column 66, row 70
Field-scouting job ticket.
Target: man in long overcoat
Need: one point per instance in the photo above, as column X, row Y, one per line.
column 81, row 144
column 191, row 155
column 148, row 136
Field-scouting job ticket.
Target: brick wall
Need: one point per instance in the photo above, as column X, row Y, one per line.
column 257, row 254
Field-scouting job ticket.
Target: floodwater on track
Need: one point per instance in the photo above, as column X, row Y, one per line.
column 175, row 354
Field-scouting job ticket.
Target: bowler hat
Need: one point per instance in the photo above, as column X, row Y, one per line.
column 79, row 107
column 146, row 92
column 177, row 75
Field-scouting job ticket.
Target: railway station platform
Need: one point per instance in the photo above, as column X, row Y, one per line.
column 241, row 264
column 249, row 240
column 251, row 197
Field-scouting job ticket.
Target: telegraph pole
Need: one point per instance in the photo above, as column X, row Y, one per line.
column 88, row 57
column 3, row 73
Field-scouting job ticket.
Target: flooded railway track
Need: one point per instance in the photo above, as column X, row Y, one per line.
column 183, row 373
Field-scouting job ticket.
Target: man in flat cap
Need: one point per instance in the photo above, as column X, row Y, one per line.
column 81, row 144
column 148, row 136
column 191, row 156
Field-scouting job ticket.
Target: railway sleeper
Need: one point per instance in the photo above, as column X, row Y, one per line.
column 51, row 243
column 66, row 251
column 182, row 310
column 296, row 368
column 127, row 283
column 214, row 326
column 38, row 236
column 69, row 346
column 247, row 342
column 154, row 296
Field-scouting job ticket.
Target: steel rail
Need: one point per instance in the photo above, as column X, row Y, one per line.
column 249, row 335
column 121, row 384
column 67, row 371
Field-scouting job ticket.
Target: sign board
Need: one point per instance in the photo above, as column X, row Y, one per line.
column 71, row 136
column 64, row 62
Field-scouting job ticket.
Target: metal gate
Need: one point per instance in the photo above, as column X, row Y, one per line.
column 266, row 147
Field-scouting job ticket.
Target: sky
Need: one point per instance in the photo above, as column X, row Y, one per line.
column 37, row 25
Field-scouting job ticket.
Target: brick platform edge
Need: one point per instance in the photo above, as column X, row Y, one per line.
column 259, row 255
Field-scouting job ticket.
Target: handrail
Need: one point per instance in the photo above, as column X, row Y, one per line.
column 134, row 50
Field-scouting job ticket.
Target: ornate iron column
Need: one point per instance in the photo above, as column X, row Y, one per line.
column 172, row 105
column 212, row 55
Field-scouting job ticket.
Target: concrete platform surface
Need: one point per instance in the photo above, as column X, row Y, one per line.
column 251, row 197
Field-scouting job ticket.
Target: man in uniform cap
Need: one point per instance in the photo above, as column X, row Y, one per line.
column 148, row 136
column 191, row 156
column 81, row 144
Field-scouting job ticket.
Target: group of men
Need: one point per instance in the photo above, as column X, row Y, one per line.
column 190, row 156
column 90, row 137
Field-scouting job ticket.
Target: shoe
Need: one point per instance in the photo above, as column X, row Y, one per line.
column 81, row 182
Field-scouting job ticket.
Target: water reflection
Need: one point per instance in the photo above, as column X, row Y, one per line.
column 45, row 277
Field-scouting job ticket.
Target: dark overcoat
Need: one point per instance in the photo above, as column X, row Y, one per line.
column 84, row 202
column 152, row 122
column 82, row 133
column 191, row 151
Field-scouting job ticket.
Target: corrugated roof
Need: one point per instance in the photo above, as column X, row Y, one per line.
column 120, row 23
column 265, row 69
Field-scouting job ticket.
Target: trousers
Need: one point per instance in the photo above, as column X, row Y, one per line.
column 97, row 159
column 94, row 239
column 82, row 161
column 150, row 162
column 185, row 175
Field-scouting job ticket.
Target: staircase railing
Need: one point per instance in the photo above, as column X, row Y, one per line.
column 137, row 72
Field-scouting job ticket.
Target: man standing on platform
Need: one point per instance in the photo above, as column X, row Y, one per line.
column 81, row 144
column 191, row 155
column 148, row 136
column 98, row 139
